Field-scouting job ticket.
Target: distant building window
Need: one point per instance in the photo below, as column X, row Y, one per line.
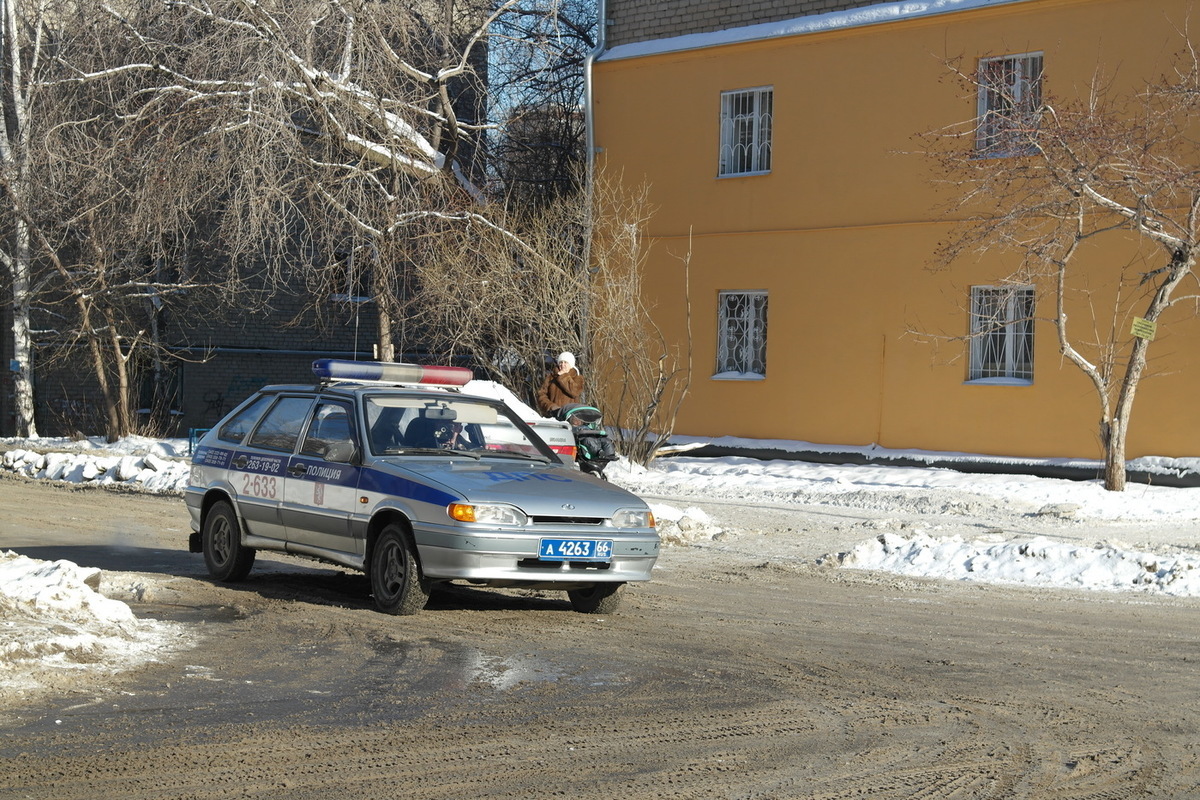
column 746, row 131
column 742, row 335
column 352, row 277
column 1010, row 94
column 1001, row 334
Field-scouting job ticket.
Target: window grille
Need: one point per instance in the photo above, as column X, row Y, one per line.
column 1001, row 333
column 746, row 131
column 1010, row 94
column 742, row 333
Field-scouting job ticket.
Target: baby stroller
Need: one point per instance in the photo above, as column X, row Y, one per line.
column 593, row 449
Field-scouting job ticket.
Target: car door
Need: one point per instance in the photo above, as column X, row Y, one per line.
column 258, row 467
column 321, row 485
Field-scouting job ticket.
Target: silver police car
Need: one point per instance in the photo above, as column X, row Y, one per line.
column 392, row 470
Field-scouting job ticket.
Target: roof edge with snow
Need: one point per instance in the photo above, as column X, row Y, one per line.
column 815, row 23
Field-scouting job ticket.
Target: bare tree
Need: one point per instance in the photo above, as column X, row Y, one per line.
column 23, row 30
column 503, row 294
column 501, row 288
column 102, row 204
column 347, row 119
column 1051, row 179
column 636, row 370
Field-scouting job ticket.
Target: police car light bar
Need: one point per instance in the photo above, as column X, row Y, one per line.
column 336, row 369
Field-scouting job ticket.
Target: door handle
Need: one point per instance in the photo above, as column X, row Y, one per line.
column 240, row 462
column 297, row 470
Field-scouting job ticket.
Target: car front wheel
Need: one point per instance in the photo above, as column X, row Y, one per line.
column 603, row 598
column 396, row 580
column 227, row 559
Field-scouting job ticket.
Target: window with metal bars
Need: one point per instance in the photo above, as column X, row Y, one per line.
column 1010, row 94
column 1001, row 334
column 742, row 335
column 746, row 131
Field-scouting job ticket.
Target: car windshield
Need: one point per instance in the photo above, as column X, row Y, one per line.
column 424, row 425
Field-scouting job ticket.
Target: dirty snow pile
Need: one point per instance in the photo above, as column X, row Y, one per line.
column 55, row 623
column 684, row 526
column 1037, row 562
column 147, row 464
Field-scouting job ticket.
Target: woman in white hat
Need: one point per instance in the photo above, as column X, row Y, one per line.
column 563, row 385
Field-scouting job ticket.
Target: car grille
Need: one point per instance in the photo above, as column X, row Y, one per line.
column 567, row 520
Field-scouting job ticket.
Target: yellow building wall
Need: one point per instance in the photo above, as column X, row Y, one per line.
column 843, row 230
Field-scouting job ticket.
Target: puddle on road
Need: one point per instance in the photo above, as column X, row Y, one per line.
column 509, row 672
column 459, row 667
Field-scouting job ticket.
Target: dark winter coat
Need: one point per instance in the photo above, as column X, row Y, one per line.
column 558, row 390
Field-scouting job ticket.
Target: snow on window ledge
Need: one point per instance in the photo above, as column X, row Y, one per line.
column 999, row 382
column 748, row 174
column 738, row 376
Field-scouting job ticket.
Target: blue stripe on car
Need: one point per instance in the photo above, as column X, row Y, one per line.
column 386, row 483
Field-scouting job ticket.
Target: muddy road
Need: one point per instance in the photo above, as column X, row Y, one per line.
column 728, row 676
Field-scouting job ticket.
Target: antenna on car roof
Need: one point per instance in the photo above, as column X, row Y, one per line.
column 330, row 370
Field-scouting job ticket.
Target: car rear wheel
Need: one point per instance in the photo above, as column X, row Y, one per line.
column 227, row 559
column 396, row 580
column 603, row 598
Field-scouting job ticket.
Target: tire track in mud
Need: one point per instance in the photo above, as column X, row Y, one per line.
column 830, row 735
column 765, row 752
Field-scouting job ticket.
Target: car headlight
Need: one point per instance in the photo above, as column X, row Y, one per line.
column 633, row 518
column 490, row 513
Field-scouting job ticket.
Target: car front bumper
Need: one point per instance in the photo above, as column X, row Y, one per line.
column 500, row 558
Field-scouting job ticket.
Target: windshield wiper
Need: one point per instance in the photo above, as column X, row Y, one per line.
column 431, row 451
column 514, row 454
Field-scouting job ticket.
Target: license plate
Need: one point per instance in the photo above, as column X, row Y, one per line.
column 575, row 550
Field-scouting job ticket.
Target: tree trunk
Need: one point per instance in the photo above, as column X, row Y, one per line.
column 113, row 423
column 22, row 373
column 13, row 148
column 387, row 350
column 124, row 401
column 1114, row 456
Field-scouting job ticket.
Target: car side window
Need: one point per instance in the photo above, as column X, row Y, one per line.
column 235, row 430
column 330, row 425
column 280, row 428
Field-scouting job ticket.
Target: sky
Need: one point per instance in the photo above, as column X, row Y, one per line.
column 51, row 614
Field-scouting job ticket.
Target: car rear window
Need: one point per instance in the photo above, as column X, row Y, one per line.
column 235, row 430
column 280, row 428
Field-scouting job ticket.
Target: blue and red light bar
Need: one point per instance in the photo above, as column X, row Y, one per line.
column 337, row 369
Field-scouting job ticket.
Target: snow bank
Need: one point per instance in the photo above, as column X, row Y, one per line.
column 1036, row 562
column 149, row 472
column 53, row 621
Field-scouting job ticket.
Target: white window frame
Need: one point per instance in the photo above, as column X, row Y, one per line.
column 741, row 335
column 1001, row 341
column 746, row 121
column 1010, row 92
